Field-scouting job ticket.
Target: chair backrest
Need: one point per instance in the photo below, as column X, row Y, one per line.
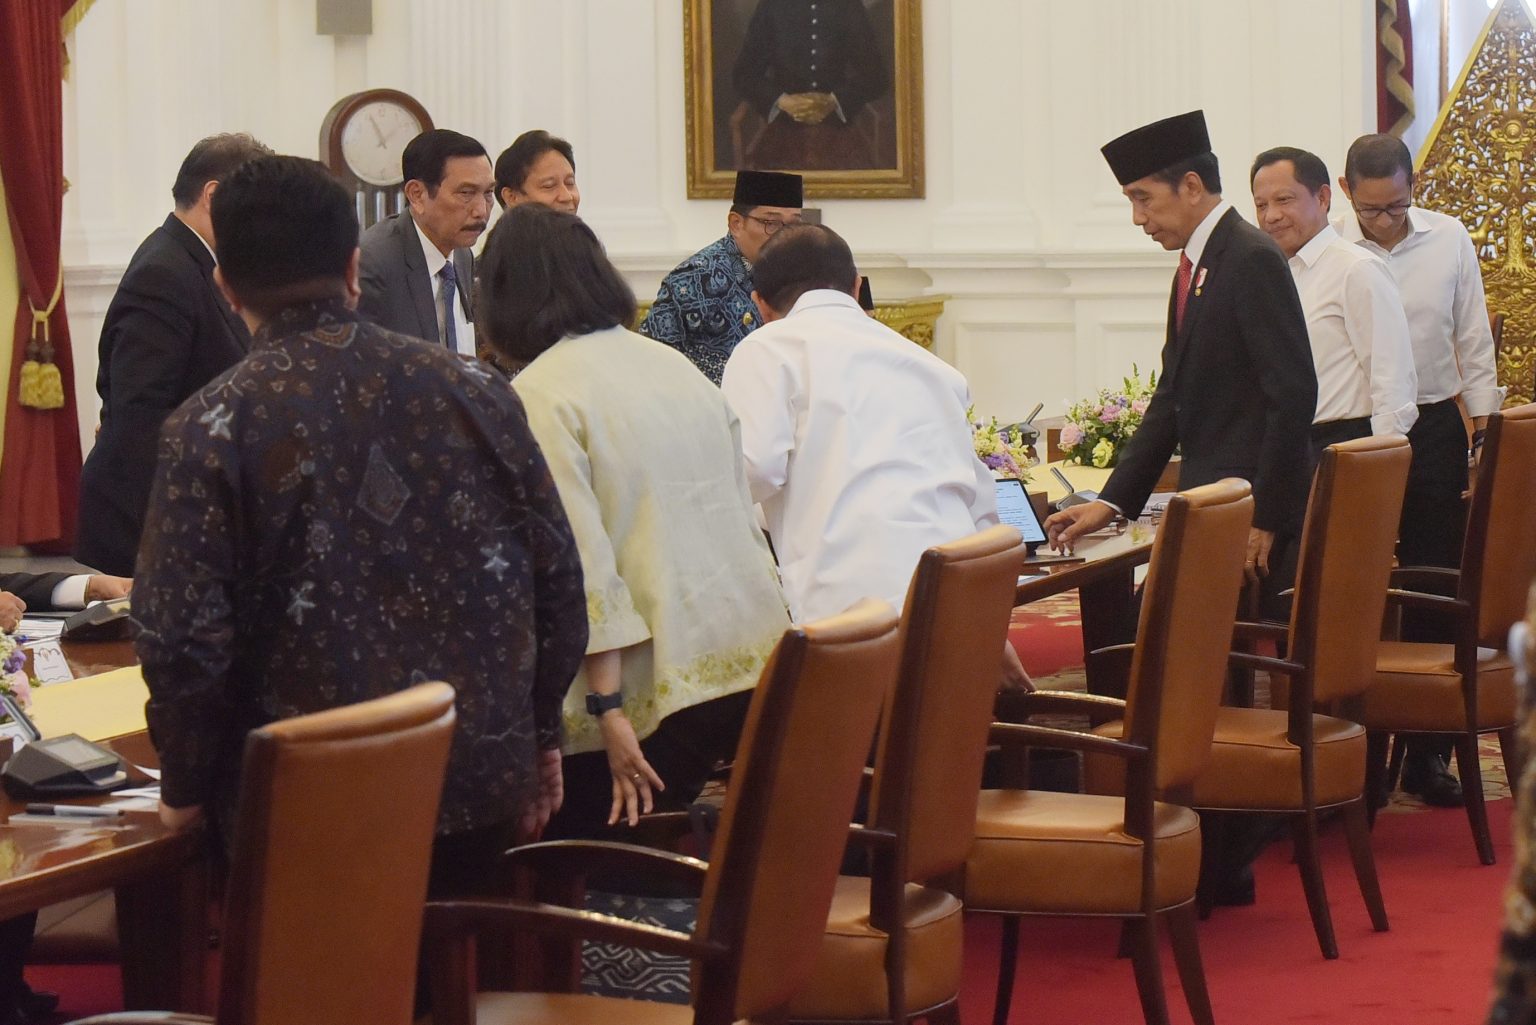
column 1345, row 563
column 933, row 736
column 785, row 822
column 1499, row 560
column 1188, row 608
column 332, row 846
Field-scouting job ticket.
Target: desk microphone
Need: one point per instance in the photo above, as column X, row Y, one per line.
column 1073, row 496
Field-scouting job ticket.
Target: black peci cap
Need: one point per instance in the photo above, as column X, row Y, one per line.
column 1150, row 148
column 769, row 188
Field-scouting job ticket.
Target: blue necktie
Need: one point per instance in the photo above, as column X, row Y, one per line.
column 450, row 286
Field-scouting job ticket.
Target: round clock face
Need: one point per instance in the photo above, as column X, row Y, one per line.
column 373, row 139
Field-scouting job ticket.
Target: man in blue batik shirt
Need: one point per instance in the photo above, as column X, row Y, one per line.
column 704, row 307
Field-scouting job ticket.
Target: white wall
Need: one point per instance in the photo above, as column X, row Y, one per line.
column 1053, row 291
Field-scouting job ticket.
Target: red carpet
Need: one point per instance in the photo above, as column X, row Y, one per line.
column 1262, row 963
column 1048, row 636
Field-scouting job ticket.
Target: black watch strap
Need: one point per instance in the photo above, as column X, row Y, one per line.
column 597, row 704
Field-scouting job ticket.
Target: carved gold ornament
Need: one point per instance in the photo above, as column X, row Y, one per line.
column 1479, row 165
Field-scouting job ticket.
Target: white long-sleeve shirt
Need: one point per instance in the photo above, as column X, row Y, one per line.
column 1359, row 335
column 1442, row 290
column 858, row 449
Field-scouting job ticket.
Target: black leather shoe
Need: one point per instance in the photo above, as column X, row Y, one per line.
column 38, row 1003
column 1231, row 889
column 1430, row 778
column 28, row 1008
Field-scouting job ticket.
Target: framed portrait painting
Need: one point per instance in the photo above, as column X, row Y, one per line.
column 831, row 89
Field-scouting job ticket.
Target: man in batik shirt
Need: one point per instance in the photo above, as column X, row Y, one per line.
column 704, row 307
column 345, row 513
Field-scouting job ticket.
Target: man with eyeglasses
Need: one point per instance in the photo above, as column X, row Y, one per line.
column 1435, row 264
column 704, row 307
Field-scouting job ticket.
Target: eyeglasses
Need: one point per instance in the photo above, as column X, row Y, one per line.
column 1372, row 212
column 770, row 225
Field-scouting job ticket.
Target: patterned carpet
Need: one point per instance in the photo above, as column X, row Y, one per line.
column 608, row 969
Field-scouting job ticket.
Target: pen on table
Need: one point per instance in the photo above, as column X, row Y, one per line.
column 74, row 811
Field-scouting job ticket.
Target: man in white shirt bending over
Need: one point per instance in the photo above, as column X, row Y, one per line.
column 856, row 440
column 1366, row 382
column 1435, row 264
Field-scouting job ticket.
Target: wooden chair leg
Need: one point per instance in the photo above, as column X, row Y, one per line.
column 1186, row 954
column 1007, row 965
column 1358, row 832
column 1514, row 761
column 1472, row 790
column 1395, row 764
column 1375, row 772
column 1149, row 972
column 1304, row 830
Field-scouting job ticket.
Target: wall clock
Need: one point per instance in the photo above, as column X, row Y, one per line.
column 361, row 140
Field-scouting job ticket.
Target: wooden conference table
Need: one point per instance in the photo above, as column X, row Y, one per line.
column 1104, row 580
column 160, row 877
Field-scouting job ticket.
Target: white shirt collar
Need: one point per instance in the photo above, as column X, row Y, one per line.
column 1310, row 253
column 1195, row 247
column 823, row 297
column 434, row 255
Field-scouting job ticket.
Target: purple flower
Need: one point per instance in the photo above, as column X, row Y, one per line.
column 1071, row 434
column 1140, row 406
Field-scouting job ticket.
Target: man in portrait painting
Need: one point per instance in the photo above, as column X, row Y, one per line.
column 807, row 68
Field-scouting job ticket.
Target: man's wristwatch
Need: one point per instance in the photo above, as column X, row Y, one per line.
column 597, row 704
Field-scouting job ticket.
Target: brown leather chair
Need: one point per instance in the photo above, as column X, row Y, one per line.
column 332, row 845
column 892, row 947
column 1132, row 857
column 1293, row 761
column 1467, row 688
column 767, row 890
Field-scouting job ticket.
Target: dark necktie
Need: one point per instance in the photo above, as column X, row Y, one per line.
column 1181, row 291
column 450, row 286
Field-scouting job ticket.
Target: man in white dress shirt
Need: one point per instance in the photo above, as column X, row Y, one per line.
column 1366, row 383
column 417, row 272
column 856, row 440
column 1435, row 264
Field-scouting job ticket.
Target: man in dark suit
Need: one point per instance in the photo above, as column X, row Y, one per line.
column 50, row 592
column 1237, row 393
column 417, row 270
column 168, row 332
column 1238, row 388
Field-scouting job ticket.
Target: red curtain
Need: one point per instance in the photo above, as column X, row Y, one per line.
column 40, row 463
column 1394, row 67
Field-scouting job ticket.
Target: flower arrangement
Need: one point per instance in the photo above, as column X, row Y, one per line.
column 1098, row 428
column 1001, row 448
column 13, row 680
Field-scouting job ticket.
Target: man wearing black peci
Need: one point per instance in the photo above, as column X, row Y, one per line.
column 1238, row 389
column 1236, row 394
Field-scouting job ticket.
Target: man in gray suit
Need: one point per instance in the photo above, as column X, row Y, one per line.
column 417, row 272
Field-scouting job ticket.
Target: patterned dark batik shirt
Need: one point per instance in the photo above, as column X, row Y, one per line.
column 343, row 514
column 704, row 307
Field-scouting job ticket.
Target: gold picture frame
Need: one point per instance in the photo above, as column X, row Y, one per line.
column 875, row 152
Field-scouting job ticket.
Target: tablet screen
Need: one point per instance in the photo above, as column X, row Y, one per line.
column 1013, row 508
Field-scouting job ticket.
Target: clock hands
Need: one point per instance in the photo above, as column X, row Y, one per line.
column 383, row 143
